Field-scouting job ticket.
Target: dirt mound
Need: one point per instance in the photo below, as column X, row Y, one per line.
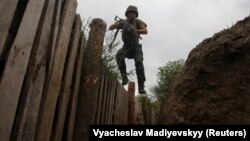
column 214, row 86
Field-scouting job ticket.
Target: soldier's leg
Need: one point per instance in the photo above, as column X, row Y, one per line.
column 140, row 70
column 120, row 60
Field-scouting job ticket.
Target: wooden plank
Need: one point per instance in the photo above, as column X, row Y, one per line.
column 113, row 99
column 47, row 111
column 21, row 111
column 65, row 95
column 123, row 102
column 107, row 102
column 112, row 102
column 104, row 106
column 15, row 69
column 126, row 109
column 55, row 28
column 75, row 92
column 7, row 11
column 36, row 74
column 117, row 109
column 115, row 105
column 103, row 93
column 1, row 3
column 119, row 105
column 99, row 100
column 96, row 104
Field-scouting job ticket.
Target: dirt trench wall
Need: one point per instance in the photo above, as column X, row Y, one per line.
column 214, row 86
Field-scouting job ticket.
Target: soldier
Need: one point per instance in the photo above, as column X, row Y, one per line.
column 131, row 47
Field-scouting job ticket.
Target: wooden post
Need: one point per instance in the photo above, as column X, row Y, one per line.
column 87, row 101
column 131, row 103
column 48, row 106
column 14, row 72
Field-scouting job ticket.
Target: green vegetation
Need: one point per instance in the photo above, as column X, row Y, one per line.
column 108, row 64
column 165, row 75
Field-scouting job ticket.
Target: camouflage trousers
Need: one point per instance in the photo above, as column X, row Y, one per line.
column 131, row 52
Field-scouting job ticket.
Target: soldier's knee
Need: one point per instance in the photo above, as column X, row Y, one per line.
column 118, row 56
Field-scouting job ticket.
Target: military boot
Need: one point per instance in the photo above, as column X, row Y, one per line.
column 124, row 80
column 141, row 89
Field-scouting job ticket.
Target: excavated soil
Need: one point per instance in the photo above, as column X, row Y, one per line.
column 214, row 85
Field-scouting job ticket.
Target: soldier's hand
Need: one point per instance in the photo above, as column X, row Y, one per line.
column 120, row 25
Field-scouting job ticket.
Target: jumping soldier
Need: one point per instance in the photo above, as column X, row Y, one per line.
column 132, row 49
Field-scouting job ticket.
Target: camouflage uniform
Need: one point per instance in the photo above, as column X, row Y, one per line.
column 131, row 50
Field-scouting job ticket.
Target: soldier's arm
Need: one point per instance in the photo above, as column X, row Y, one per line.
column 115, row 25
column 142, row 29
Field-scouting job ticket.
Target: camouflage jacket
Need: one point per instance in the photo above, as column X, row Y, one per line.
column 130, row 38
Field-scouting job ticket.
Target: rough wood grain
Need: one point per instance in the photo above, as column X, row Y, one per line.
column 36, row 74
column 57, row 16
column 13, row 75
column 88, row 97
column 7, row 11
column 131, row 103
column 65, row 95
column 75, row 92
column 48, row 110
column 99, row 100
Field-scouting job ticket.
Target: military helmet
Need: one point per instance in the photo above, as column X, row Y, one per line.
column 133, row 9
